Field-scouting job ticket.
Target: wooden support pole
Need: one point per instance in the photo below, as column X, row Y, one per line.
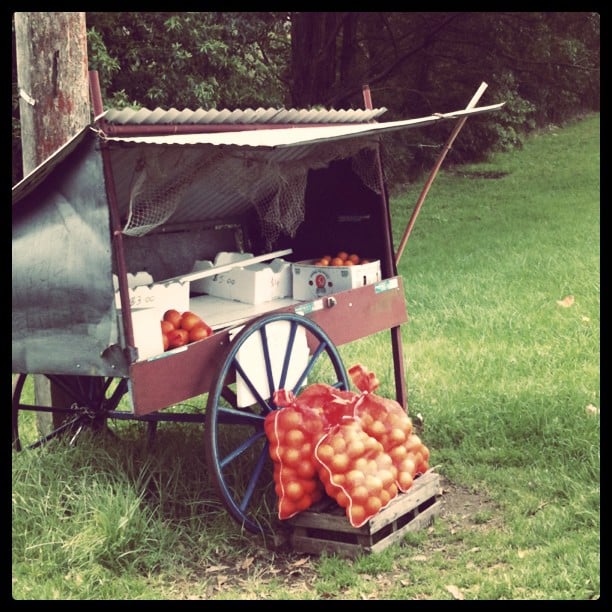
column 434, row 172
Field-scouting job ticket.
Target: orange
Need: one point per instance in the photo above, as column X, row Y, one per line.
column 357, row 515
column 291, row 456
column 294, row 490
column 339, row 463
column 336, row 261
column 294, row 438
column 343, row 255
column 324, row 453
column 354, row 258
column 373, row 505
column 288, row 419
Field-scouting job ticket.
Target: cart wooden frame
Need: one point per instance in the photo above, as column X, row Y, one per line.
column 75, row 326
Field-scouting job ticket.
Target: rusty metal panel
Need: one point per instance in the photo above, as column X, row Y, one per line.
column 177, row 375
column 351, row 315
column 63, row 311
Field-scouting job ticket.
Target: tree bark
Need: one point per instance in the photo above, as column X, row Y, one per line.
column 52, row 75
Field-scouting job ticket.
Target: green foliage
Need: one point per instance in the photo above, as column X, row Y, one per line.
column 188, row 60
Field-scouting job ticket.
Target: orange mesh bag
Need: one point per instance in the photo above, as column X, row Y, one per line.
column 292, row 432
column 333, row 404
column 355, row 471
column 385, row 420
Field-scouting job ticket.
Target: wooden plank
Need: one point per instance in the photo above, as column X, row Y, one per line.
column 326, row 528
column 422, row 520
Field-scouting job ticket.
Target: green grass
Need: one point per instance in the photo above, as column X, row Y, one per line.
column 506, row 380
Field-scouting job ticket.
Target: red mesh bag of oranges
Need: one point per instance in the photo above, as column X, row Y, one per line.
column 358, row 448
column 355, row 471
column 385, row 420
column 292, row 432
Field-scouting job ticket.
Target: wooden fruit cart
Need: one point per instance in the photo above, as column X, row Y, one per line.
column 156, row 192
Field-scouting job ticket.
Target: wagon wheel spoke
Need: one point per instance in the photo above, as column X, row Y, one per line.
column 86, row 402
column 272, row 353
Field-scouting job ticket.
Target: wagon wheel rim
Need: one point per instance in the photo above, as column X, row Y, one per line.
column 237, row 450
column 90, row 408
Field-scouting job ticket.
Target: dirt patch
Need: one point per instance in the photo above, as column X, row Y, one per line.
column 461, row 506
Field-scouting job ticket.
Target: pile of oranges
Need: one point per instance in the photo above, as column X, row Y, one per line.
column 342, row 258
column 179, row 329
column 357, row 448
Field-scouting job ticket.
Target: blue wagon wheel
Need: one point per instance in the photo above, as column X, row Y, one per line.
column 278, row 351
column 88, row 400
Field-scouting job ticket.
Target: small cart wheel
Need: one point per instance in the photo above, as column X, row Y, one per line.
column 278, row 351
column 86, row 402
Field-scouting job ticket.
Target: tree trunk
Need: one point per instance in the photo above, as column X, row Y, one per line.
column 52, row 76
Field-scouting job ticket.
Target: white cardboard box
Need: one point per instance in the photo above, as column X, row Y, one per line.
column 254, row 284
column 311, row 282
column 148, row 302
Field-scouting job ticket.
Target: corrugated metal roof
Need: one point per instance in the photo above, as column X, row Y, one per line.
column 249, row 116
column 292, row 137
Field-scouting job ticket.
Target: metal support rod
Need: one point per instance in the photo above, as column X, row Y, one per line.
column 116, row 232
column 434, row 172
column 389, row 269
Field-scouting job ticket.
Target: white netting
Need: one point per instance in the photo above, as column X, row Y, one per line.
column 274, row 185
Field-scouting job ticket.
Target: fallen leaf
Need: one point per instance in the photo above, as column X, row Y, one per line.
column 454, row 591
column 585, row 319
column 246, row 563
column 590, row 409
column 216, row 568
column 566, row 302
column 521, row 554
column 419, row 558
column 300, row 562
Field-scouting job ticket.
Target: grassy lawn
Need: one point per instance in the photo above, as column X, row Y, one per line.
column 502, row 358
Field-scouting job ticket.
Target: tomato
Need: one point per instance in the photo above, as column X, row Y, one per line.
column 178, row 337
column 190, row 319
column 174, row 316
column 199, row 332
column 354, row 258
column 343, row 255
column 165, row 342
column 167, row 326
column 336, row 261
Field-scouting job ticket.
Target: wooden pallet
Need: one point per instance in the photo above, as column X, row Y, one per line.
column 325, row 527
